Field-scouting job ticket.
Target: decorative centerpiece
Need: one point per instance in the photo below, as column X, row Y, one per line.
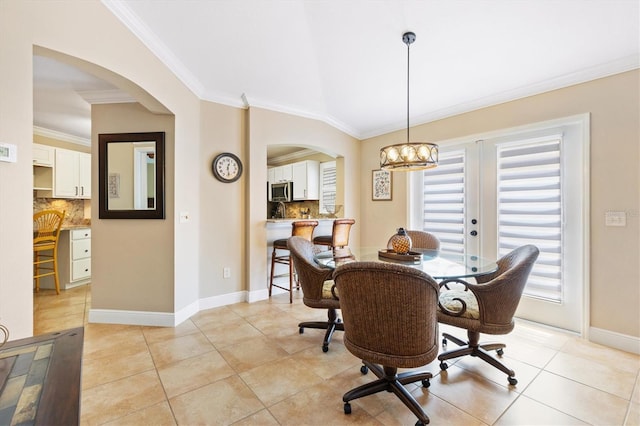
column 401, row 242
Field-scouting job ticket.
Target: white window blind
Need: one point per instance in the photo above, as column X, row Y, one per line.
column 444, row 201
column 530, row 209
column 327, row 185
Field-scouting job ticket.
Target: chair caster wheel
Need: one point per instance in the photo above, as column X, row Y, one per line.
column 347, row 408
column 301, row 330
column 325, row 348
column 513, row 381
column 426, row 383
column 419, row 423
column 443, row 366
column 364, row 369
column 500, row 352
column 444, row 342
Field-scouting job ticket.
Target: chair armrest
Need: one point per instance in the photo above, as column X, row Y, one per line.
column 333, row 292
column 445, row 284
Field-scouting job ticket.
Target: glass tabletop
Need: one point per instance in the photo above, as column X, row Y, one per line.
column 440, row 266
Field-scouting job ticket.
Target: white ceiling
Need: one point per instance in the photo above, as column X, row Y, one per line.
column 344, row 62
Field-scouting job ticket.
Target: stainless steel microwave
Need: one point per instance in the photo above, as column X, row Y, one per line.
column 281, row 191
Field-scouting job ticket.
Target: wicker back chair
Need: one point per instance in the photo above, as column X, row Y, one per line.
column 421, row 240
column 46, row 234
column 317, row 288
column 390, row 322
column 339, row 237
column 487, row 307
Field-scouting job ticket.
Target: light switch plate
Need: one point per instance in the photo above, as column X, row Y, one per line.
column 615, row 219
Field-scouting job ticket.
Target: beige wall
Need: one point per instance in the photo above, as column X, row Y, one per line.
column 221, row 227
column 120, row 158
column 132, row 259
column 273, row 128
column 77, row 29
column 613, row 103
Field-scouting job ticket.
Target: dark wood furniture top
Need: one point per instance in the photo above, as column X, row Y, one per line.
column 40, row 379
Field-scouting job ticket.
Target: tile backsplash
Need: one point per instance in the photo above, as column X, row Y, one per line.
column 78, row 212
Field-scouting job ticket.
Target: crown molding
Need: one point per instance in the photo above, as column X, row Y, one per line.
column 65, row 137
column 130, row 20
column 107, row 96
column 288, row 158
column 124, row 13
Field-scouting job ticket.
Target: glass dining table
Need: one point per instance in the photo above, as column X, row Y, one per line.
column 440, row 266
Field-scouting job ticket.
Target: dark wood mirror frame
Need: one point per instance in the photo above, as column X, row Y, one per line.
column 104, row 140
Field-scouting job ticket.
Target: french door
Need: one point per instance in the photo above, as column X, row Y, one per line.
column 492, row 194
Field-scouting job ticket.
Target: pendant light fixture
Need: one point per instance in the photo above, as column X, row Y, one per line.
column 410, row 155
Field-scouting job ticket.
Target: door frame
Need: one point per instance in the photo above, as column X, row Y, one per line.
column 582, row 121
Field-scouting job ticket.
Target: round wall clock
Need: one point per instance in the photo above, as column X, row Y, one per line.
column 227, row 167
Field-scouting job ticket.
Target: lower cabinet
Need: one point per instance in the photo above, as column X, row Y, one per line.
column 74, row 257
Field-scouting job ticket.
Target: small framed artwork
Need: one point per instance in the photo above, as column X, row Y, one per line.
column 114, row 185
column 381, row 185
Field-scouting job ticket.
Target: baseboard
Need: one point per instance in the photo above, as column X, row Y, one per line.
column 222, row 300
column 615, row 340
column 112, row 316
column 163, row 319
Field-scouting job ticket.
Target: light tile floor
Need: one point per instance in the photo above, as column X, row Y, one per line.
column 246, row 364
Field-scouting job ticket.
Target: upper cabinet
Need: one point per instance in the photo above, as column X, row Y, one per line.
column 61, row 173
column 281, row 174
column 305, row 176
column 43, row 155
column 43, row 159
column 72, row 174
column 306, row 180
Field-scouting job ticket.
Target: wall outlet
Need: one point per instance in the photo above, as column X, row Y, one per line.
column 615, row 218
column 226, row 272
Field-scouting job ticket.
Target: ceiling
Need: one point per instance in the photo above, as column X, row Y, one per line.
column 344, row 62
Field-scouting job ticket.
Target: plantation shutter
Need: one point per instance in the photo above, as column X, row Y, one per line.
column 530, row 209
column 444, row 203
column 327, row 185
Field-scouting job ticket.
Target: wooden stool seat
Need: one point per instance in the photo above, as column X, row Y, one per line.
column 300, row 228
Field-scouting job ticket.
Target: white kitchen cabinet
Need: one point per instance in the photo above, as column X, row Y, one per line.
column 282, row 173
column 43, row 159
column 74, row 259
column 72, row 174
column 306, row 180
column 43, row 155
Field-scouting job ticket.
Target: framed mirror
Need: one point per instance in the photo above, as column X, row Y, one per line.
column 131, row 175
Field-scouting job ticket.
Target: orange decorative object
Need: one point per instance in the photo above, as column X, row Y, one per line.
column 401, row 242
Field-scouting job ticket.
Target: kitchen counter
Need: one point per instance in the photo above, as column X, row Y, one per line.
column 292, row 219
column 70, row 226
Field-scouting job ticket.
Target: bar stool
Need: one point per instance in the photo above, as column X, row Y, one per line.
column 339, row 237
column 46, row 233
column 300, row 228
